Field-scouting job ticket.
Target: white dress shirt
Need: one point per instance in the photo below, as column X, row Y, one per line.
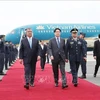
column 42, row 46
column 75, row 39
column 30, row 41
column 58, row 38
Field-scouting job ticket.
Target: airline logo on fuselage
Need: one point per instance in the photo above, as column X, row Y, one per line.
column 67, row 28
column 40, row 27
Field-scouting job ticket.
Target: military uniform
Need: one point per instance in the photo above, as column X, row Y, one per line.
column 2, row 51
column 74, row 49
column 10, row 55
column 7, row 52
column 16, row 52
column 83, row 62
column 13, row 53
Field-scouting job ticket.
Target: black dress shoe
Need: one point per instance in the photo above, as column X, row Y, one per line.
column 3, row 73
column 0, row 80
column 56, row 84
column 83, row 77
column 94, row 75
column 7, row 69
column 42, row 69
column 64, row 86
column 26, row 86
column 32, row 84
column 75, row 84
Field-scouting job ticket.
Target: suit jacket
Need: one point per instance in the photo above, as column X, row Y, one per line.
column 29, row 54
column 96, row 50
column 43, row 51
column 75, row 50
column 55, row 51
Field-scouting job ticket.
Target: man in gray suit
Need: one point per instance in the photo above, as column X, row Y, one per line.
column 57, row 55
column 29, row 53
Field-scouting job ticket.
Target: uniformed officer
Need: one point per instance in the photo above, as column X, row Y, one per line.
column 7, row 52
column 10, row 55
column 83, row 62
column 2, row 51
column 13, row 53
column 74, row 48
column 16, row 52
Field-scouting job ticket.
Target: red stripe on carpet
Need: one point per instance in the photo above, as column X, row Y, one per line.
column 11, row 88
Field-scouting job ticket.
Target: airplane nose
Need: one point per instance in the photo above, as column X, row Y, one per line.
column 12, row 37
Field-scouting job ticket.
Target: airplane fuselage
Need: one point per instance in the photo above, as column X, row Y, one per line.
column 46, row 31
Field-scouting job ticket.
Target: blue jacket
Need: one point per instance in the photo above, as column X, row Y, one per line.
column 75, row 50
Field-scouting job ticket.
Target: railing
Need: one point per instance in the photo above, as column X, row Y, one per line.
column 21, row 37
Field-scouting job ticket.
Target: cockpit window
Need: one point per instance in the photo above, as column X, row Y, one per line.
column 12, row 32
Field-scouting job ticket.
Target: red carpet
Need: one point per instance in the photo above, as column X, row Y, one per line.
column 11, row 88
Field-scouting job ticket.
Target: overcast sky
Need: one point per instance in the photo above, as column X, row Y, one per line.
column 14, row 14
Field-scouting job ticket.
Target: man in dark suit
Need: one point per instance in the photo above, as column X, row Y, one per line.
column 7, row 52
column 57, row 55
column 74, row 49
column 29, row 53
column 43, row 49
column 96, row 54
column 83, row 62
column 47, row 44
column 2, row 51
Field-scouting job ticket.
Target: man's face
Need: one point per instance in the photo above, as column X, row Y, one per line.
column 81, row 36
column 6, row 42
column 42, row 42
column 57, row 33
column 29, row 32
column 74, row 34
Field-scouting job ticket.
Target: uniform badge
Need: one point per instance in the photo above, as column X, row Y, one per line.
column 71, row 42
column 79, row 42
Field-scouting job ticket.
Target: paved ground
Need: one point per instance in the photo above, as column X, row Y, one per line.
column 90, row 70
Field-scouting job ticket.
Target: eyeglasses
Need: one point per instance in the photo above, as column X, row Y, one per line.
column 29, row 31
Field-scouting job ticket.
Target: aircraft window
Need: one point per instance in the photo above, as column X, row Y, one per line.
column 95, row 30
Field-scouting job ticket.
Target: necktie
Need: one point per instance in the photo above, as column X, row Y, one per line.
column 58, row 43
column 30, row 42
